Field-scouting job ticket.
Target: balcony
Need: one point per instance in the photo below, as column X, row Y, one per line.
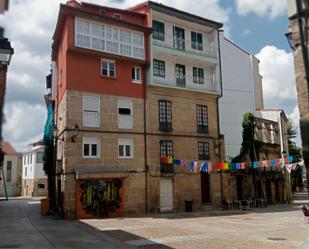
column 167, row 169
column 176, row 43
column 186, row 82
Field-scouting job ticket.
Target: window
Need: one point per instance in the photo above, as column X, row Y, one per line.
column 91, row 147
column 31, row 158
column 166, row 148
column 25, row 171
column 159, row 68
column 41, row 185
column 202, row 118
column 196, row 41
column 158, row 30
column 9, row 171
column 118, row 16
column 39, row 157
column 180, row 71
column 107, row 38
column 108, row 68
column 179, row 38
column 198, row 75
column 102, row 12
column 203, row 151
column 25, row 159
column 136, row 75
column 125, row 148
column 165, row 115
column 125, row 114
column 91, row 111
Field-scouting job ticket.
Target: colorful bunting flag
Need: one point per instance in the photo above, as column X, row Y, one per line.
column 255, row 165
column 177, row 162
column 191, row 166
column 243, row 165
column 290, row 159
column 209, row 167
column 195, row 166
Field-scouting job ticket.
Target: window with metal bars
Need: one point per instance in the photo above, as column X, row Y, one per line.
column 202, row 118
column 203, row 151
column 165, row 115
column 159, row 68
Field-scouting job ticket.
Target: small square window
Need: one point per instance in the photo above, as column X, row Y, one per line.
column 125, row 148
column 136, row 75
column 118, row 16
column 90, row 147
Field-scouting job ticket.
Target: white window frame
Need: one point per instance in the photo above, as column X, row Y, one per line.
column 98, row 111
column 135, row 80
column 109, row 41
column 125, row 103
column 91, row 141
column 126, row 142
column 108, row 68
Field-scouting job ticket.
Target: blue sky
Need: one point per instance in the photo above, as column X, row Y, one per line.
column 258, row 26
column 253, row 33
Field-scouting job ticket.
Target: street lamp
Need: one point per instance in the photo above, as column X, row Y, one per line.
column 6, row 52
column 74, row 131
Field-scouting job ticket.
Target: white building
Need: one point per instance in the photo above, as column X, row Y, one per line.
column 278, row 116
column 11, row 173
column 242, row 92
column 34, row 179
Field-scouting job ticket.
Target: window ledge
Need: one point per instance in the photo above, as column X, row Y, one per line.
column 121, row 158
column 137, row 81
column 109, row 77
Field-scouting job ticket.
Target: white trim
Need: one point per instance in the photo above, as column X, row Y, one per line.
column 108, row 67
column 97, row 142
column 136, row 81
column 124, row 142
column 98, row 111
column 101, row 43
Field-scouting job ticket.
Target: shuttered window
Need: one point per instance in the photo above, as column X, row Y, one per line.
column 91, row 111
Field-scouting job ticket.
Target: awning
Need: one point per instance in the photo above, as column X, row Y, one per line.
column 101, row 172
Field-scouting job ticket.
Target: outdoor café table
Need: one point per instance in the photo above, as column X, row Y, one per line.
column 261, row 202
column 243, row 204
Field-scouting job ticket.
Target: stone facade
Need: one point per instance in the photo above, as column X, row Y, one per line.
column 300, row 74
column 34, row 187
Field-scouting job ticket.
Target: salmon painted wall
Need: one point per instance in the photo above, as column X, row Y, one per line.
column 84, row 74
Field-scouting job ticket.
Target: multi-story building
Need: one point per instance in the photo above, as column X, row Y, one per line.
column 100, row 56
column 298, row 38
column 184, row 85
column 10, row 175
column 136, row 98
column 34, row 180
column 242, row 93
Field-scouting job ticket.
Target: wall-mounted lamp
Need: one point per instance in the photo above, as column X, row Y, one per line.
column 6, row 52
column 73, row 132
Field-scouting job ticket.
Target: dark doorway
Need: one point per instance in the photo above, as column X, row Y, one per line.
column 277, row 191
column 268, row 192
column 205, row 187
column 239, row 187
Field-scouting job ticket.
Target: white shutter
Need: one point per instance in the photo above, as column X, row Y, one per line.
column 125, row 121
column 91, row 111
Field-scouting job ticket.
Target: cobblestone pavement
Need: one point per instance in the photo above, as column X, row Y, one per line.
column 277, row 226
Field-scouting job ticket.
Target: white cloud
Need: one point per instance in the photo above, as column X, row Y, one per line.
column 30, row 24
column 279, row 87
column 270, row 8
column 24, row 123
column 246, row 32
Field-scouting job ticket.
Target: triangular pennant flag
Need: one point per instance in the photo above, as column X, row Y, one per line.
column 191, row 166
column 255, row 165
column 195, row 166
column 209, row 165
column 202, row 167
column 243, row 165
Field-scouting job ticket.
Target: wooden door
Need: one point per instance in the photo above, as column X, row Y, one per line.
column 205, row 187
column 166, row 195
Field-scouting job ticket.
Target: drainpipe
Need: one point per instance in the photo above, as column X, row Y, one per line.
column 145, row 141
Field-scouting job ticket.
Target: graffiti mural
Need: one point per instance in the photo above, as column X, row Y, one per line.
column 100, row 198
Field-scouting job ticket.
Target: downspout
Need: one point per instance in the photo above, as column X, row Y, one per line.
column 145, row 67
column 218, row 118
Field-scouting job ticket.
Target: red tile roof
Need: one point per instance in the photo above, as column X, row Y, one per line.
column 8, row 148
